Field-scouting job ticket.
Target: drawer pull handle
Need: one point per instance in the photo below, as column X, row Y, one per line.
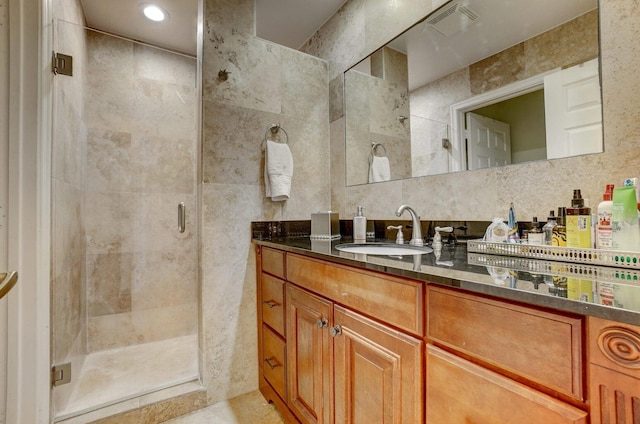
column 335, row 331
column 322, row 323
column 270, row 303
column 270, row 362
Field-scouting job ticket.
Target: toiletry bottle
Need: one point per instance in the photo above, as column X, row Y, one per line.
column 624, row 220
column 548, row 228
column 578, row 222
column 535, row 234
column 560, row 230
column 604, row 233
column 359, row 226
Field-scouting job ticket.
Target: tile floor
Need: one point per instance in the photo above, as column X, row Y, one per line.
column 250, row 408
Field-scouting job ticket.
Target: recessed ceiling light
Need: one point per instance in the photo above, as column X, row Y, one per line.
column 153, row 12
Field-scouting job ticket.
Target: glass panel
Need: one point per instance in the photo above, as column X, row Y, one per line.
column 124, row 278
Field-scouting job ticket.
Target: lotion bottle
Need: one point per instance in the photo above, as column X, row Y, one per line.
column 604, row 233
column 359, row 226
column 578, row 222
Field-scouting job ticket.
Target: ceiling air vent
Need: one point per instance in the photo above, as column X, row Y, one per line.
column 451, row 20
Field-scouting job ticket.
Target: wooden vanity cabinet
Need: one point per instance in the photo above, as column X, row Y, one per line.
column 347, row 368
column 351, row 342
column 340, row 344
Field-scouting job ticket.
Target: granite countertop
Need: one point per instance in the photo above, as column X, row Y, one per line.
column 603, row 292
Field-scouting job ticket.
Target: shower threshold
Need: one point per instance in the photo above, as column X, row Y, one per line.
column 117, row 375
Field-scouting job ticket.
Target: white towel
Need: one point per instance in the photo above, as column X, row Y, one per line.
column 278, row 170
column 379, row 169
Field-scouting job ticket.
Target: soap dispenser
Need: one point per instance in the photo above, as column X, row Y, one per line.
column 437, row 240
column 359, row 226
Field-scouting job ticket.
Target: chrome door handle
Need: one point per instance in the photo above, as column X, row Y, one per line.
column 182, row 220
column 8, row 281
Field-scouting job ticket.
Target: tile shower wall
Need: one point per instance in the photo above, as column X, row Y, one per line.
column 355, row 31
column 266, row 84
column 141, row 141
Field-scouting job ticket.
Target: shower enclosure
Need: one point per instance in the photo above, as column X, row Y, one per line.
column 124, row 292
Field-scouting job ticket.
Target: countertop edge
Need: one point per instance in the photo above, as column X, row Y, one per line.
column 506, row 293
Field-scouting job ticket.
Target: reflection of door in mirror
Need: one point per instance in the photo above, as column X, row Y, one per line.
column 574, row 111
column 488, row 142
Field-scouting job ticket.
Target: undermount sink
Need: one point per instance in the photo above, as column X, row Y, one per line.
column 383, row 249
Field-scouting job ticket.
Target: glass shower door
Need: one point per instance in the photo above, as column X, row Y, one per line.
column 124, row 275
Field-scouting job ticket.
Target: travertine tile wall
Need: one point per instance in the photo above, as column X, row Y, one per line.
column 535, row 188
column 141, row 162
column 266, row 84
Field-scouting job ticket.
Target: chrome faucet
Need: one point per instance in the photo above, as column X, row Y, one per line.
column 416, row 237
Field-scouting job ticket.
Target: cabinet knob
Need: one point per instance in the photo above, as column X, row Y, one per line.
column 270, row 303
column 335, row 331
column 322, row 323
column 270, row 362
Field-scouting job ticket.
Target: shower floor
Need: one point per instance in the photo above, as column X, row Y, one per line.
column 111, row 376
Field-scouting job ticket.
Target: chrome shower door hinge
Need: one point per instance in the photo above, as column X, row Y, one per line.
column 61, row 374
column 62, row 64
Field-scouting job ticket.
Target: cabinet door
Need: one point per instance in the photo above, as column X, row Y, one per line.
column 614, row 374
column 460, row 392
column 378, row 372
column 309, row 362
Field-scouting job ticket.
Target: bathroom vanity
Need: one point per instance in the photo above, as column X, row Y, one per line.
column 346, row 338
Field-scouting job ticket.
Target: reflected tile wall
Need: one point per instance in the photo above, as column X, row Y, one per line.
column 141, row 272
column 569, row 44
column 377, row 102
column 267, row 84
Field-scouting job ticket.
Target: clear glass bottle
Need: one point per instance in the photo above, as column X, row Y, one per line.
column 560, row 230
column 535, row 234
column 548, row 228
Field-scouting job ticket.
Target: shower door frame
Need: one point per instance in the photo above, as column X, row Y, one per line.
column 28, row 375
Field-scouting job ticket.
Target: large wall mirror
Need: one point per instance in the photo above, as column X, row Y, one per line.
column 476, row 84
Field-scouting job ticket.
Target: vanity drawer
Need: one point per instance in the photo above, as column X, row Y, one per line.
column 396, row 301
column 543, row 347
column 273, row 303
column 273, row 261
column 273, row 360
column 459, row 391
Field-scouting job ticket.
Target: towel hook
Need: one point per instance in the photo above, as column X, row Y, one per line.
column 274, row 128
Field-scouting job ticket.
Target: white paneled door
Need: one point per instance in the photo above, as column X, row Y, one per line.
column 573, row 111
column 488, row 142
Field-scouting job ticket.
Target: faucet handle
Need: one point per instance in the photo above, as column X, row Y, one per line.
column 399, row 237
column 444, row 229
